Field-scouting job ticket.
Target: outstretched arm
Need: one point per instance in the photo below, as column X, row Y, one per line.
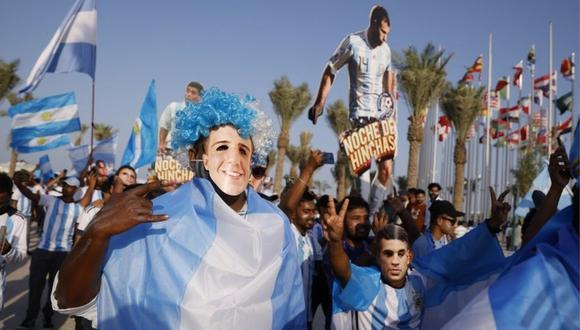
column 80, row 273
column 289, row 203
column 559, row 175
column 334, row 226
column 92, row 182
column 325, row 83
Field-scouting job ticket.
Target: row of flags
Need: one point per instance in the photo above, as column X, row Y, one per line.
column 46, row 123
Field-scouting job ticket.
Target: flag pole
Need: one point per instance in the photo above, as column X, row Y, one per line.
column 550, row 115
column 487, row 141
column 532, row 130
column 92, row 118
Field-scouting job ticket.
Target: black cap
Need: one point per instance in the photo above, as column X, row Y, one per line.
column 438, row 208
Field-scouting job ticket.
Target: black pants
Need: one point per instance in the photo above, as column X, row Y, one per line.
column 43, row 263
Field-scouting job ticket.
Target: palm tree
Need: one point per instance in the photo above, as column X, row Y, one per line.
column 461, row 104
column 339, row 122
column 103, row 131
column 294, row 156
column 304, row 148
column 422, row 80
column 8, row 77
column 289, row 103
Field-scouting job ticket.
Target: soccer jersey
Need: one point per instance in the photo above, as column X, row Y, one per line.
column 59, row 223
column 87, row 216
column 16, row 236
column 366, row 68
column 308, row 251
column 379, row 305
column 23, row 204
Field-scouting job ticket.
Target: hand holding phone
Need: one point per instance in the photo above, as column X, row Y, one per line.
column 327, row 158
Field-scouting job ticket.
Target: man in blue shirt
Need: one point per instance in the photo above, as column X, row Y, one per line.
column 444, row 218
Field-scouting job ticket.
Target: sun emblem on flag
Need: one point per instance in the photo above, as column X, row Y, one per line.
column 46, row 116
column 41, row 141
column 136, row 128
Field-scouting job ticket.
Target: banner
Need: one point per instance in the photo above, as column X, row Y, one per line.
column 169, row 168
column 377, row 139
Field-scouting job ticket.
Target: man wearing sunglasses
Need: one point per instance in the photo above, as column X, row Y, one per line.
column 443, row 221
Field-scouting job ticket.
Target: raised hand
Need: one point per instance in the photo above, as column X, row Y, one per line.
column 499, row 209
column 559, row 168
column 125, row 211
column 315, row 160
column 333, row 224
column 380, row 220
column 314, row 112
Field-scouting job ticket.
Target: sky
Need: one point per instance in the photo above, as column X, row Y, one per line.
column 243, row 46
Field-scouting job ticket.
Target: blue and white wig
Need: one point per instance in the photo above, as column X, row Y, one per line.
column 218, row 108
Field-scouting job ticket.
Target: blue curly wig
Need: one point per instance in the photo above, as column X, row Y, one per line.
column 218, row 108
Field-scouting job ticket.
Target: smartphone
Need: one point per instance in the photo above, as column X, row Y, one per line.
column 327, row 158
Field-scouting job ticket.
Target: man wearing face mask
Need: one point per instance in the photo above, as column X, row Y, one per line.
column 212, row 254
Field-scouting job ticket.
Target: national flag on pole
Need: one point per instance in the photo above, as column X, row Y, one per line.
column 467, row 78
column 142, row 146
column 45, row 168
column 531, row 59
column 487, row 110
column 511, row 114
column 502, row 88
column 513, row 138
column 567, row 68
column 73, row 47
column 565, row 102
column 565, row 127
column 524, row 104
column 524, row 133
column 44, row 118
column 104, row 150
column 42, row 143
column 543, row 83
column 476, row 67
column 518, row 77
column 538, row 99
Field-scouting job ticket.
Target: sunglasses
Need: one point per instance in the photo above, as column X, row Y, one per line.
column 450, row 219
column 258, row 172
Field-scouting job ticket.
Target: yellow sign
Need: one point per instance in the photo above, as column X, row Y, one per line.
column 168, row 168
column 376, row 140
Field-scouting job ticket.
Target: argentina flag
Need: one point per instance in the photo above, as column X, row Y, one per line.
column 43, row 118
column 45, row 168
column 41, row 144
column 206, row 267
column 142, row 146
column 72, row 48
column 104, row 150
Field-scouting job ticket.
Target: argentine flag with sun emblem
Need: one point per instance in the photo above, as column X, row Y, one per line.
column 142, row 147
column 42, row 124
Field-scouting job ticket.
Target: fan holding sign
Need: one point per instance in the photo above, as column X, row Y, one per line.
column 371, row 105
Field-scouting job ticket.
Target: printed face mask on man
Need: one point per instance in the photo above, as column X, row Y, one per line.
column 227, row 158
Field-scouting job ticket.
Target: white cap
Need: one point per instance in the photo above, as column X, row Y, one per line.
column 72, row 181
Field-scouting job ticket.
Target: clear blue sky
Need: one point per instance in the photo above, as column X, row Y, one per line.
column 243, row 46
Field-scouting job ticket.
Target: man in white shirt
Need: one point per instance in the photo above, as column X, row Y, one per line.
column 192, row 94
column 55, row 243
column 13, row 247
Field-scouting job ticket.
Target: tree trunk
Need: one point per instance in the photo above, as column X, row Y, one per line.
column 283, row 140
column 12, row 166
column 415, row 138
column 459, row 158
column 341, row 176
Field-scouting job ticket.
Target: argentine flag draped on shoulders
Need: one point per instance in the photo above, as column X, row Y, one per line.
column 206, row 267
column 539, row 288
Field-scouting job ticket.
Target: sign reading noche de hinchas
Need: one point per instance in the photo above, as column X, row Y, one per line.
column 168, row 168
column 377, row 139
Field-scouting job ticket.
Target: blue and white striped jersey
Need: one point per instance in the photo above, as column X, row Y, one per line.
column 59, row 223
column 23, row 204
column 366, row 69
column 308, row 252
column 379, row 305
column 16, row 236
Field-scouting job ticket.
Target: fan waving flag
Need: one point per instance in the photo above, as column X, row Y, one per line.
column 142, row 147
column 40, row 123
column 72, row 48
